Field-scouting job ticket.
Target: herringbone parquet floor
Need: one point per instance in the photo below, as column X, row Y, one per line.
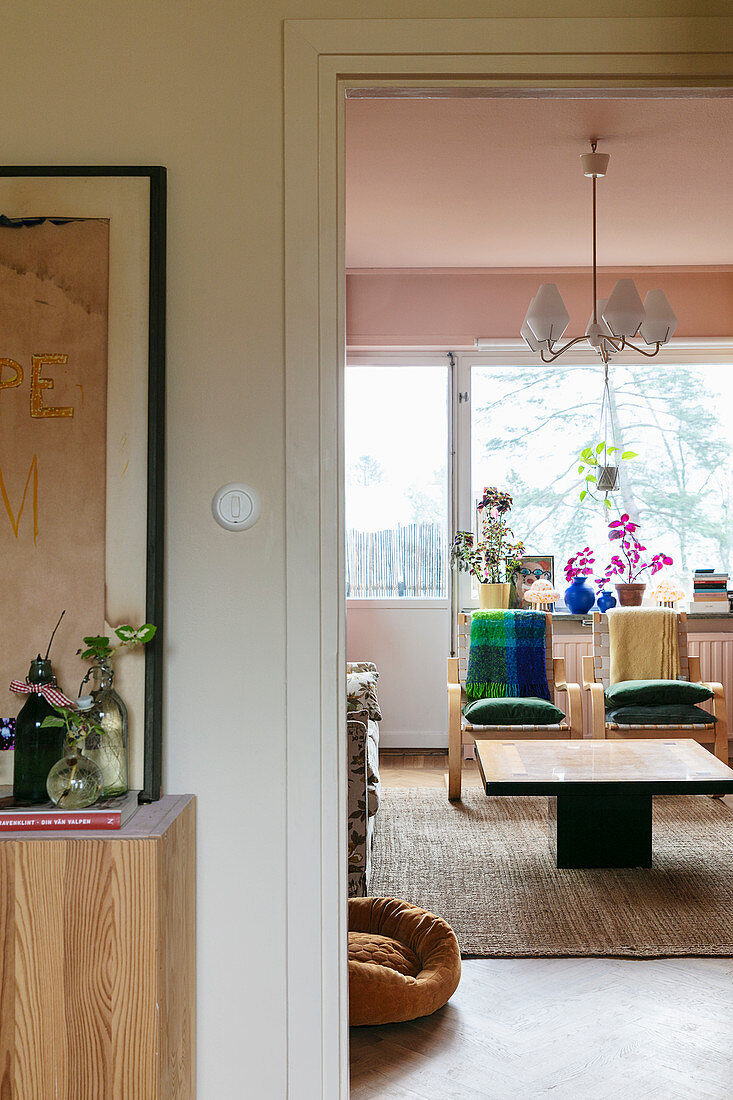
column 576, row 1029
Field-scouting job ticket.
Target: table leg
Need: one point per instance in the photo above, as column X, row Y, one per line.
column 601, row 830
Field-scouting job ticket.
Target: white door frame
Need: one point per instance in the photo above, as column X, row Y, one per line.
column 323, row 60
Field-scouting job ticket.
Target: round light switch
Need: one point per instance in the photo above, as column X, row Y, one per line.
column 236, row 507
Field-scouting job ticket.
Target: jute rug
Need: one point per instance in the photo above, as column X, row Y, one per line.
column 484, row 865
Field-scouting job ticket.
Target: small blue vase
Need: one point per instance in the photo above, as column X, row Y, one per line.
column 605, row 600
column 579, row 596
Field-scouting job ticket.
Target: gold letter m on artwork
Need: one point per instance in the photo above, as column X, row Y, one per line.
column 15, row 521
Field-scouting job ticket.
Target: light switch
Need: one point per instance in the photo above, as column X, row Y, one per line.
column 236, row 507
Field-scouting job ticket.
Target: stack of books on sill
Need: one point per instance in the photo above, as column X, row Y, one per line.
column 710, row 592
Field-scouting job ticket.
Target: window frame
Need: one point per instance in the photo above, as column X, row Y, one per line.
column 493, row 352
column 412, row 358
column 679, row 352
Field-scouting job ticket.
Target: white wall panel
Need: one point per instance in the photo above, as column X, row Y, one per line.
column 409, row 646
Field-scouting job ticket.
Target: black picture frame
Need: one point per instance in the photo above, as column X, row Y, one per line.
column 156, row 377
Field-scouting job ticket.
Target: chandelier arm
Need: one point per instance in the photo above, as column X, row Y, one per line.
column 560, row 351
column 640, row 351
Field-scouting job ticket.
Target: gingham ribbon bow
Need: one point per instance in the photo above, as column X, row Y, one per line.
column 50, row 693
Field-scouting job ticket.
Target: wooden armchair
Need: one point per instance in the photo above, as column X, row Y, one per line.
column 596, row 675
column 461, row 732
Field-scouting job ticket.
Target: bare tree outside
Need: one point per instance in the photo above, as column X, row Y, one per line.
column 528, row 433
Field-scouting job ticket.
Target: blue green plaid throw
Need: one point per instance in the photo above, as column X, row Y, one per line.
column 507, row 655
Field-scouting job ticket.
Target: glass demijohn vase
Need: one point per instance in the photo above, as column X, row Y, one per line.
column 36, row 748
column 109, row 748
column 74, row 782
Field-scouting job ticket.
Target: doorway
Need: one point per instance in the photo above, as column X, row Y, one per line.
column 323, row 60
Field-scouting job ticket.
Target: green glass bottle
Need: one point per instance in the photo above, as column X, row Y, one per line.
column 36, row 749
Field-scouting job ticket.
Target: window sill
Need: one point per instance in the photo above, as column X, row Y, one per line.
column 392, row 603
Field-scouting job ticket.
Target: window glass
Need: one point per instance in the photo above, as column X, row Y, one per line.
column 530, row 424
column 396, row 482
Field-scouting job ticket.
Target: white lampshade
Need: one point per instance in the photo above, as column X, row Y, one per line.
column 528, row 336
column 526, row 332
column 547, row 316
column 624, row 311
column 594, row 332
column 660, row 322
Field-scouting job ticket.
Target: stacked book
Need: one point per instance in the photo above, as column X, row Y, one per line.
column 710, row 592
column 107, row 813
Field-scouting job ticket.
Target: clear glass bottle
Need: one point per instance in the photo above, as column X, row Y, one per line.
column 109, row 748
column 74, row 782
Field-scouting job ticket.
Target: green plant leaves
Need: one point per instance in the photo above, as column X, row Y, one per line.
column 125, row 633
column 97, row 646
column 584, row 494
column 129, row 636
column 629, row 454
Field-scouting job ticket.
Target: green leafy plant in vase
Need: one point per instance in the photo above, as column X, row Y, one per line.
column 108, row 744
column 75, row 781
column 494, row 559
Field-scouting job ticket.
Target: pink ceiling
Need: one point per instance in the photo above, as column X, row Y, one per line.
column 492, row 183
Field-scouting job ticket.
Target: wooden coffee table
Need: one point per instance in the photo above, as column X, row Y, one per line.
column 600, row 792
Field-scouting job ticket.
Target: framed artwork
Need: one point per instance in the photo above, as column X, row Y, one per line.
column 533, row 567
column 82, row 401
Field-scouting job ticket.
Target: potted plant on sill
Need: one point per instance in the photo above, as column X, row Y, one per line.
column 628, row 563
column 579, row 596
column 494, row 559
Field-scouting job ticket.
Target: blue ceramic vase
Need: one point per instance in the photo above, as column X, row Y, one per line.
column 605, row 600
column 579, row 596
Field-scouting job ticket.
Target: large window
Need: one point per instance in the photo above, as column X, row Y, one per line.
column 529, row 424
column 396, row 482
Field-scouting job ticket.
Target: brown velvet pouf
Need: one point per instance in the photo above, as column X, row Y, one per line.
column 403, row 962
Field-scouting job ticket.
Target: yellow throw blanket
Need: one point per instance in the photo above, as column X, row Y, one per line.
column 643, row 644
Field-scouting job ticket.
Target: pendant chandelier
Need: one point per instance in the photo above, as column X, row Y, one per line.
column 615, row 321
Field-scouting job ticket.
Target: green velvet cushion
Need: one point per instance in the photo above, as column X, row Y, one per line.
column 628, row 693
column 526, row 711
column 660, row 715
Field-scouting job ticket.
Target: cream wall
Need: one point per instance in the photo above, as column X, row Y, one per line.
column 197, row 86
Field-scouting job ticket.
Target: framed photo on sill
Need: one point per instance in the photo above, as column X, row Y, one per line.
column 533, row 567
column 82, row 404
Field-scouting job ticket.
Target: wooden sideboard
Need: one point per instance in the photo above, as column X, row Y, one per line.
column 97, row 960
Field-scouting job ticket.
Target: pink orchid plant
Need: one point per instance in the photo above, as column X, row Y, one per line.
column 628, row 564
column 579, row 565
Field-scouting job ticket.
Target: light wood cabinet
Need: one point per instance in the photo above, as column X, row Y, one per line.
column 97, row 955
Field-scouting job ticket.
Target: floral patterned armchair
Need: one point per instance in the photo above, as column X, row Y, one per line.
column 362, row 716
